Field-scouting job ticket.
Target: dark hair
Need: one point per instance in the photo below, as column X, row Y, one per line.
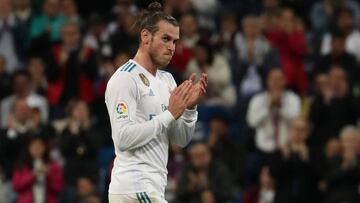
column 336, row 34
column 148, row 18
column 23, row 73
column 209, row 49
column 344, row 10
column 25, row 157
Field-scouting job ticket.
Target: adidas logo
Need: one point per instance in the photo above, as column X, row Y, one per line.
column 151, row 93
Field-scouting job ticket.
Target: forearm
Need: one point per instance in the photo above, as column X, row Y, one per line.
column 131, row 135
column 182, row 130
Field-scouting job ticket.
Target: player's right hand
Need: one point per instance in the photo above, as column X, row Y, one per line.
column 179, row 97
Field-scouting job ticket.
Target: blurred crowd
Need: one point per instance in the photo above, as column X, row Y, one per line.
column 279, row 124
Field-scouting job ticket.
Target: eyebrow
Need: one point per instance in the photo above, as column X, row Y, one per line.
column 173, row 38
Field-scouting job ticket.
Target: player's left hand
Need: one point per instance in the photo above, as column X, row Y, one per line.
column 197, row 91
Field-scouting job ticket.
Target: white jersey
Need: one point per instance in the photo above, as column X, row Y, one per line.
column 142, row 128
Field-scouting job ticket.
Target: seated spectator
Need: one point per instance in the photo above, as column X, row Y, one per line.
column 346, row 26
column 220, row 91
column 332, row 109
column 264, row 191
column 36, row 178
column 271, row 112
column 292, row 167
column 203, row 173
column 342, row 178
column 22, row 90
column 289, row 39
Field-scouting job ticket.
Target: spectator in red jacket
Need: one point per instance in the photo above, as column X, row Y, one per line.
column 288, row 38
column 37, row 178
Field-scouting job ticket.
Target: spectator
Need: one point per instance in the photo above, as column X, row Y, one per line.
column 122, row 36
column 71, row 69
column 332, row 109
column 185, row 46
column 220, row 92
column 23, row 13
column 207, row 196
column 345, row 25
column 48, row 24
column 323, row 13
column 206, row 12
column 343, row 176
column 36, row 68
column 96, row 37
column 23, row 123
column 288, row 38
column 6, row 192
column 293, row 169
column 224, row 39
column 86, row 189
column 9, row 47
column 203, row 172
column 68, row 8
column 176, row 163
column 264, row 192
column 23, row 90
column 223, row 148
column 77, row 144
column 271, row 112
column 340, row 57
column 5, row 80
column 37, row 178
column 254, row 57
column 333, row 148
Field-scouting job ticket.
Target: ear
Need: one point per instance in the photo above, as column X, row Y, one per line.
column 145, row 36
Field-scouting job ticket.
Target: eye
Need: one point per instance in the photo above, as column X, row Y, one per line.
column 166, row 39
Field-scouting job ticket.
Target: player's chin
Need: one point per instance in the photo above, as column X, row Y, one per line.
column 165, row 62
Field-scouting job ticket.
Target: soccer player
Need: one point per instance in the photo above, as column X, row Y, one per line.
column 147, row 111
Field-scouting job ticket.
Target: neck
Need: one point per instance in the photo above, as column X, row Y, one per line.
column 145, row 61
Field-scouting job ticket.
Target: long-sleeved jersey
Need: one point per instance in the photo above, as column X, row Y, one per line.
column 142, row 128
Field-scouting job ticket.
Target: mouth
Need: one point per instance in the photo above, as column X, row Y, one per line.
column 168, row 55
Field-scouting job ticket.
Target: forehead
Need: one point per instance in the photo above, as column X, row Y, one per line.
column 166, row 28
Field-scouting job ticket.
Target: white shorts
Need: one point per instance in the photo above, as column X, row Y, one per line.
column 141, row 197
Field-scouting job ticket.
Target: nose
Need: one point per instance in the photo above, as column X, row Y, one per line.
column 171, row 48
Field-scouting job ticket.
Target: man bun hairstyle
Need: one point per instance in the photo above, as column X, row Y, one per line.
column 149, row 18
column 155, row 6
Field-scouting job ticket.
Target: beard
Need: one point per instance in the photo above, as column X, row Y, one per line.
column 155, row 57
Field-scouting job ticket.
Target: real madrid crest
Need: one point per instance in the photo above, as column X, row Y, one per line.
column 144, row 79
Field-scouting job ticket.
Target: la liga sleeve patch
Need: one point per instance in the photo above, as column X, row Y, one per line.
column 122, row 111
